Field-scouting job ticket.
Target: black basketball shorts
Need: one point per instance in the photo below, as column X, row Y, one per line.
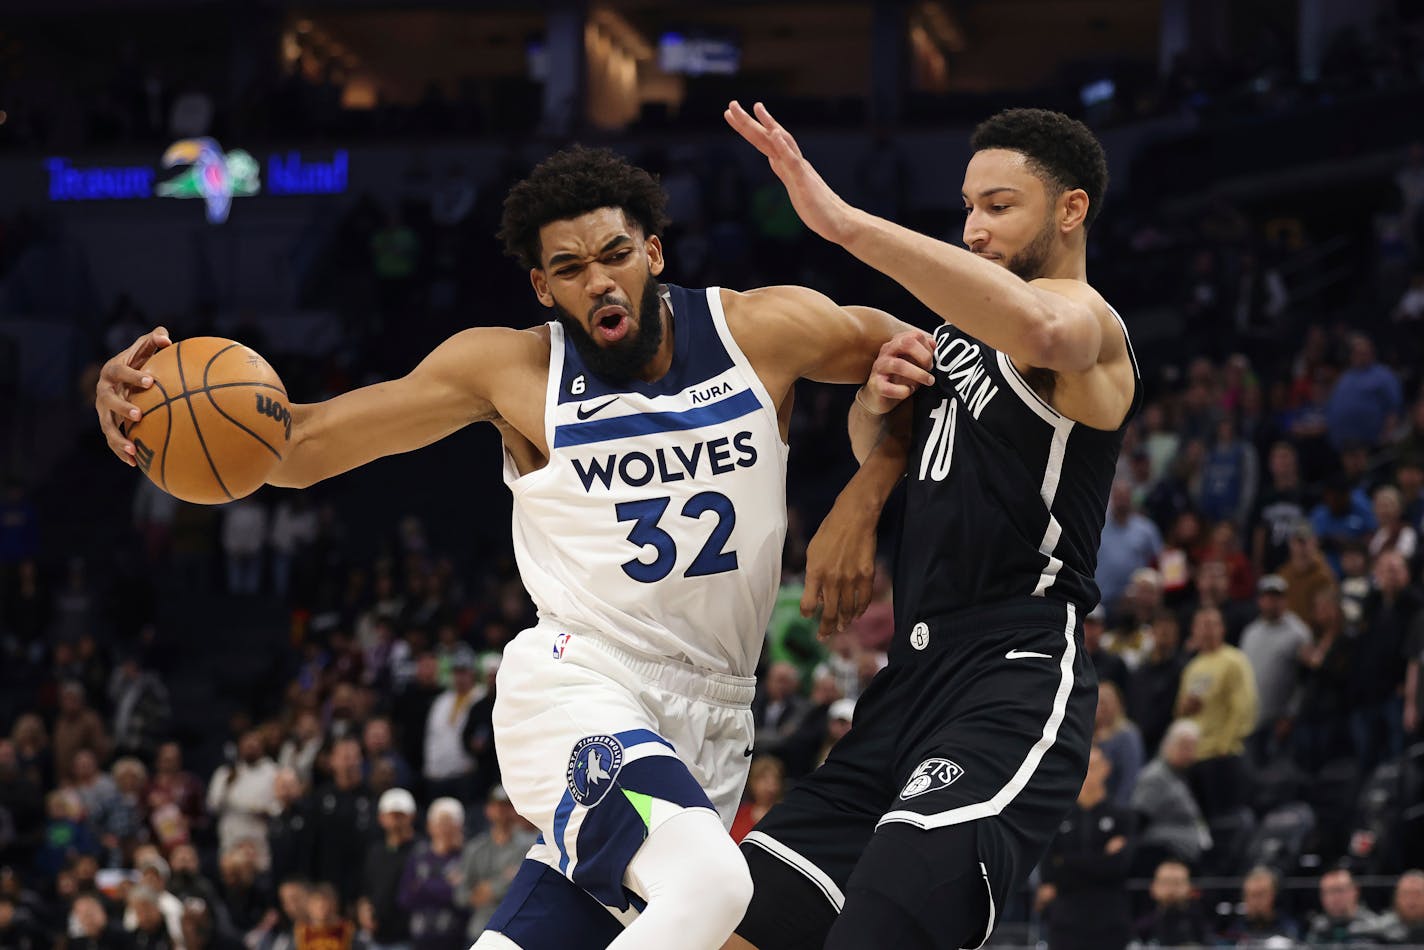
column 986, row 719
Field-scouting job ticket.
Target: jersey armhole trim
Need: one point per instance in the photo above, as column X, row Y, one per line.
column 1025, row 392
column 515, row 481
column 719, row 320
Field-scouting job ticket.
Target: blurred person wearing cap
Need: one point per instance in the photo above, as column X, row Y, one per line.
column 1306, row 572
column 385, row 922
column 1218, row 692
column 1129, row 540
column 838, row 722
column 1272, row 644
column 449, row 767
column 491, row 859
column 431, row 878
column 766, row 785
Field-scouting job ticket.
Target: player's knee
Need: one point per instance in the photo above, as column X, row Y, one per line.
column 730, row 880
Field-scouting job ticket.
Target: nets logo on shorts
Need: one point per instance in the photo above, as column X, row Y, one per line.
column 930, row 775
column 593, row 767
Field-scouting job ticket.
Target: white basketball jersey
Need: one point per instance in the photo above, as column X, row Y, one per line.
column 659, row 519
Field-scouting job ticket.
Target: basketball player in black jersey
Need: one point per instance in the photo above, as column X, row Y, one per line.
column 969, row 748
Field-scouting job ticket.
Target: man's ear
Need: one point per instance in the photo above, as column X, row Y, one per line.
column 540, row 282
column 653, row 247
column 1072, row 209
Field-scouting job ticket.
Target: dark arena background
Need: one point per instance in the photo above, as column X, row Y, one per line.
column 201, row 707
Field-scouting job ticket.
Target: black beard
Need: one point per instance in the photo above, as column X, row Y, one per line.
column 1028, row 263
column 627, row 358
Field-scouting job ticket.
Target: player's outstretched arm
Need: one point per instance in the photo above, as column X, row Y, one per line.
column 451, row 388
column 1053, row 324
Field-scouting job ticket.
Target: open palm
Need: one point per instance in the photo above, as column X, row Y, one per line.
column 821, row 208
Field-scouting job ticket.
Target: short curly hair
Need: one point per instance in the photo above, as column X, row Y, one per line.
column 1060, row 150
column 573, row 182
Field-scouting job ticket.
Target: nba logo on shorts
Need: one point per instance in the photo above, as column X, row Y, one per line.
column 593, row 768
column 561, row 643
column 930, row 775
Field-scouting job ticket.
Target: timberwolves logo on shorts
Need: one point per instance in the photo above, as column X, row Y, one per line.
column 930, row 775
column 593, row 768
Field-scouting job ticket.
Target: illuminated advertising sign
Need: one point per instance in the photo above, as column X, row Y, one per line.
column 206, row 172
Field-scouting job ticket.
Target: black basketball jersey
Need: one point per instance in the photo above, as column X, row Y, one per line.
column 1006, row 496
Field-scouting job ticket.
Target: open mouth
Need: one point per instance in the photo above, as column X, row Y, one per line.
column 611, row 323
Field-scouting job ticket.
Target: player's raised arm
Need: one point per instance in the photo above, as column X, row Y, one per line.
column 1048, row 323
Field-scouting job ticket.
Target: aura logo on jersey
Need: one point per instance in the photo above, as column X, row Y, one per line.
column 593, row 768
column 667, row 464
column 930, row 775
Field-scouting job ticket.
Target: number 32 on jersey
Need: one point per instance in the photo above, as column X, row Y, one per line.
column 646, row 516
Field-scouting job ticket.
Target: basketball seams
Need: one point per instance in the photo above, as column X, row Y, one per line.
column 265, row 444
column 171, row 399
column 188, row 399
column 207, row 390
column 167, row 438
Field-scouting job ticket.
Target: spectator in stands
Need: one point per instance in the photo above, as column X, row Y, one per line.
column 1283, row 503
column 65, row 835
column 1366, row 400
column 1230, row 471
column 147, row 929
column 153, row 875
column 1393, row 533
column 22, row 800
column 241, row 796
column 1343, row 515
column 141, row 709
column 1376, row 675
column 89, row 927
column 244, row 896
column 427, row 889
column 1109, row 666
column 491, row 860
column 766, row 784
column 278, row 930
column 96, row 789
column 779, row 708
column 1413, row 699
column 244, row 536
column 76, row 727
column 1218, row 692
column 1260, row 923
column 1086, row 867
column 1320, row 724
column 1343, row 921
column 1272, row 644
column 1213, row 590
column 1152, row 694
column 324, row 928
column 187, row 883
column 343, row 816
column 449, row 767
column 301, row 747
column 1130, row 540
column 379, row 747
column 1176, row 919
column 122, row 821
column 838, row 722
column 1306, row 572
column 176, row 798
column 385, row 922
column 1174, row 828
column 291, row 833
column 411, row 709
column 1404, row 924
column 1120, row 741
column 1131, row 633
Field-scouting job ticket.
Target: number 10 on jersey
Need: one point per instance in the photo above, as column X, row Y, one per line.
column 939, row 447
column 647, row 514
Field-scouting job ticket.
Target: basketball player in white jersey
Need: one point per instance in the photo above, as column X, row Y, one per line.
column 644, row 440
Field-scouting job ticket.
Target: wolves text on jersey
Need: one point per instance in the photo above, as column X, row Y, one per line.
column 668, row 464
column 963, row 368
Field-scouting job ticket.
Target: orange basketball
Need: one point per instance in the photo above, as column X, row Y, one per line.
column 215, row 422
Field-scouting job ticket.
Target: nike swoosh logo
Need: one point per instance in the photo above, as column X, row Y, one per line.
column 587, row 413
column 1025, row 654
column 748, row 752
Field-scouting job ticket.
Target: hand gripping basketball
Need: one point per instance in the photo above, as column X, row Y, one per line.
column 120, row 377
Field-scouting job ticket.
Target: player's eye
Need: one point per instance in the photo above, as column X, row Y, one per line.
column 997, row 209
column 617, row 256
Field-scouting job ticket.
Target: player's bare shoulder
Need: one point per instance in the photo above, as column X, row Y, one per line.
column 1102, row 396
column 768, row 324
